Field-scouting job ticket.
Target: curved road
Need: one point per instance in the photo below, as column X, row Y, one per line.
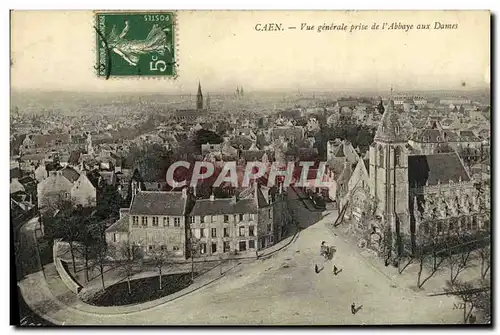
column 284, row 289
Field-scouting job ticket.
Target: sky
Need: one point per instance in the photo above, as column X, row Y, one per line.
column 55, row 51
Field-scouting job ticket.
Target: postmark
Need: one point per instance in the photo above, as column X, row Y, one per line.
column 135, row 44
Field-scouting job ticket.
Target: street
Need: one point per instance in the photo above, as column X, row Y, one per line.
column 284, row 289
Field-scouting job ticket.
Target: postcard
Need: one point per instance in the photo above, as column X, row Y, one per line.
column 250, row 167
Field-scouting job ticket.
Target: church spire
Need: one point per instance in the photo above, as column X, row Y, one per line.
column 389, row 128
column 199, row 98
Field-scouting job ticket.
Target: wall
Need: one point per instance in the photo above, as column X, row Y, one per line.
column 169, row 236
column 72, row 285
column 233, row 225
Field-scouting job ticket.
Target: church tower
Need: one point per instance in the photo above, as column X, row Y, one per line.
column 199, row 98
column 389, row 174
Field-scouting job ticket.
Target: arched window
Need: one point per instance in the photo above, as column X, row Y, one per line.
column 397, row 156
column 381, row 156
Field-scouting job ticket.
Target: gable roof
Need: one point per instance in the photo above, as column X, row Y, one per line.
column 121, row 225
column 223, row 206
column 158, row 203
column 429, row 169
column 70, row 174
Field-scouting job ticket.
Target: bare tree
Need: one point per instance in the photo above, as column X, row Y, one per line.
column 406, row 253
column 161, row 257
column 101, row 252
column 484, row 253
column 129, row 257
column 470, row 296
column 429, row 255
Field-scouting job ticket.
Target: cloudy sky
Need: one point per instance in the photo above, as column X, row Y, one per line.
column 55, row 50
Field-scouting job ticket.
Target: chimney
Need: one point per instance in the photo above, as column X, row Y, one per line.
column 184, row 193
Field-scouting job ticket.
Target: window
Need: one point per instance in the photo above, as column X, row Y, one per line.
column 202, row 219
column 474, row 223
column 242, row 245
column 163, row 247
column 191, row 219
column 144, row 221
column 135, row 221
column 226, row 232
column 242, row 231
column 241, row 217
column 177, row 222
column 150, row 247
column 203, row 248
column 214, row 232
column 226, row 247
column 175, row 248
column 269, row 228
column 270, row 213
column 212, row 218
column 114, row 237
column 202, row 232
column 251, row 231
column 380, row 156
column 439, row 227
column 234, row 218
column 251, row 244
column 251, row 217
column 271, row 239
column 214, row 247
column 397, row 156
column 226, row 218
column 166, row 222
column 155, row 221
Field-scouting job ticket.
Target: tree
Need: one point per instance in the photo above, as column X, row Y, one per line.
column 484, row 253
column 91, row 236
column 161, row 257
column 405, row 253
column 459, row 249
column 429, row 255
column 101, row 252
column 471, row 297
column 66, row 224
column 129, row 257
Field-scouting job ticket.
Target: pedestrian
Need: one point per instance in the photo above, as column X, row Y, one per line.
column 316, row 268
column 335, row 270
column 353, row 308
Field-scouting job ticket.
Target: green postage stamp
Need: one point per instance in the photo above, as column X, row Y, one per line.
column 135, row 44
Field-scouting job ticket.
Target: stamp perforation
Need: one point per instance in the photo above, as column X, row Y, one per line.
column 174, row 46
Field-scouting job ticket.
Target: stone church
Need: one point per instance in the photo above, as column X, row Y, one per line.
column 403, row 196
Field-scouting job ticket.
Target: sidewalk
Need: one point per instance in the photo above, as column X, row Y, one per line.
column 48, row 294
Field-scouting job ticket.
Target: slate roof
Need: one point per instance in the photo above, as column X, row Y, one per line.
column 15, row 173
column 429, row 169
column 70, row 174
column 469, row 136
column 158, row 203
column 223, row 206
column 428, row 136
column 121, row 225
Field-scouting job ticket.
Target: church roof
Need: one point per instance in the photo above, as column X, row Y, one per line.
column 430, row 169
column 389, row 128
